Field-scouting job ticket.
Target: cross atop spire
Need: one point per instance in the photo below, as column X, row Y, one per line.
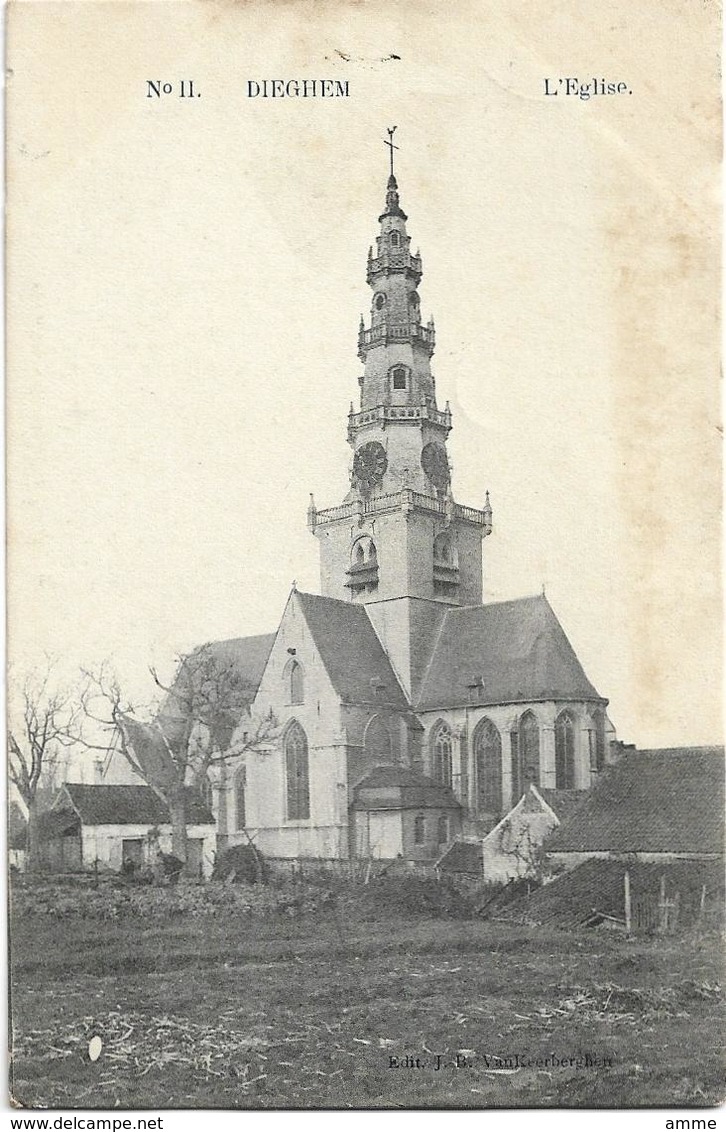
column 393, row 204
column 391, row 131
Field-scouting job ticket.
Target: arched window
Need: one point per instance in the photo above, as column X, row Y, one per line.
column 442, row 830
column 363, row 550
column 377, row 742
column 597, row 756
column 419, row 829
column 565, row 751
column 380, row 301
column 442, row 548
column 488, row 756
column 399, row 377
column 395, row 239
column 529, row 747
column 296, row 767
column 441, row 750
column 294, row 682
column 525, row 754
column 240, row 809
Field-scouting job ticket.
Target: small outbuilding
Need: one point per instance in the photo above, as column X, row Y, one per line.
column 512, row 850
column 121, row 828
column 398, row 812
column 653, row 805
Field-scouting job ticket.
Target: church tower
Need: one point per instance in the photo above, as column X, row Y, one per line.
column 399, row 538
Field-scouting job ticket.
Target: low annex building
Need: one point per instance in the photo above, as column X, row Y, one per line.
column 513, row 849
column 117, row 828
column 652, row 805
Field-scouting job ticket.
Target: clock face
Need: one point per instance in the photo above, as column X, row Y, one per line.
column 435, row 464
column 369, row 465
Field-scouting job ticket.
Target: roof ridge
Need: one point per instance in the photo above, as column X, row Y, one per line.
column 233, row 640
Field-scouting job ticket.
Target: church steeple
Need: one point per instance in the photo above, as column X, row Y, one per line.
column 399, row 534
column 396, row 348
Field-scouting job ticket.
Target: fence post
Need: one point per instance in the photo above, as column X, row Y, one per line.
column 628, row 906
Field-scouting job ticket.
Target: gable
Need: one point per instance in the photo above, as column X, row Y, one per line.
column 657, row 801
column 351, row 652
column 508, row 652
column 531, row 815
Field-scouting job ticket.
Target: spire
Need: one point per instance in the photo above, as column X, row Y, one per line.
column 393, row 206
column 487, row 513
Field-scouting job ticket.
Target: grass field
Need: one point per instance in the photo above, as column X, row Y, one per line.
column 323, row 1008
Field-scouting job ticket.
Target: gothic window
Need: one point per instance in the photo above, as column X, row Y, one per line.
column 516, row 769
column 240, row 785
column 488, row 756
column 442, row 760
column 597, row 756
column 529, row 747
column 379, row 302
column 564, row 751
column 525, row 754
column 442, row 830
column 297, row 773
column 395, row 239
column 294, row 682
column 377, row 742
column 419, row 829
column 399, row 377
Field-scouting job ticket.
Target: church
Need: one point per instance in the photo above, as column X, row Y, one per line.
column 410, row 717
column 409, row 714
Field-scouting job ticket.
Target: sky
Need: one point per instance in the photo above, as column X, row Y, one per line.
column 186, row 276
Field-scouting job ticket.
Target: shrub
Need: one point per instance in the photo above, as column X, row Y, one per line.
column 242, row 864
column 425, row 896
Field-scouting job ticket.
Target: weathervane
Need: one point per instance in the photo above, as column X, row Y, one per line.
column 391, row 131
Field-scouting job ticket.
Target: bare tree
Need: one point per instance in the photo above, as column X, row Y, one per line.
column 47, row 720
column 190, row 732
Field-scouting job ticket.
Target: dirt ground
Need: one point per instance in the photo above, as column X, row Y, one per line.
column 325, row 1008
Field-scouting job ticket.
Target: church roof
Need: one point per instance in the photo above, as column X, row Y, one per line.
column 399, row 788
column 248, row 656
column 354, row 659
column 129, row 805
column 656, row 801
column 235, row 665
column 563, row 803
column 508, row 652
